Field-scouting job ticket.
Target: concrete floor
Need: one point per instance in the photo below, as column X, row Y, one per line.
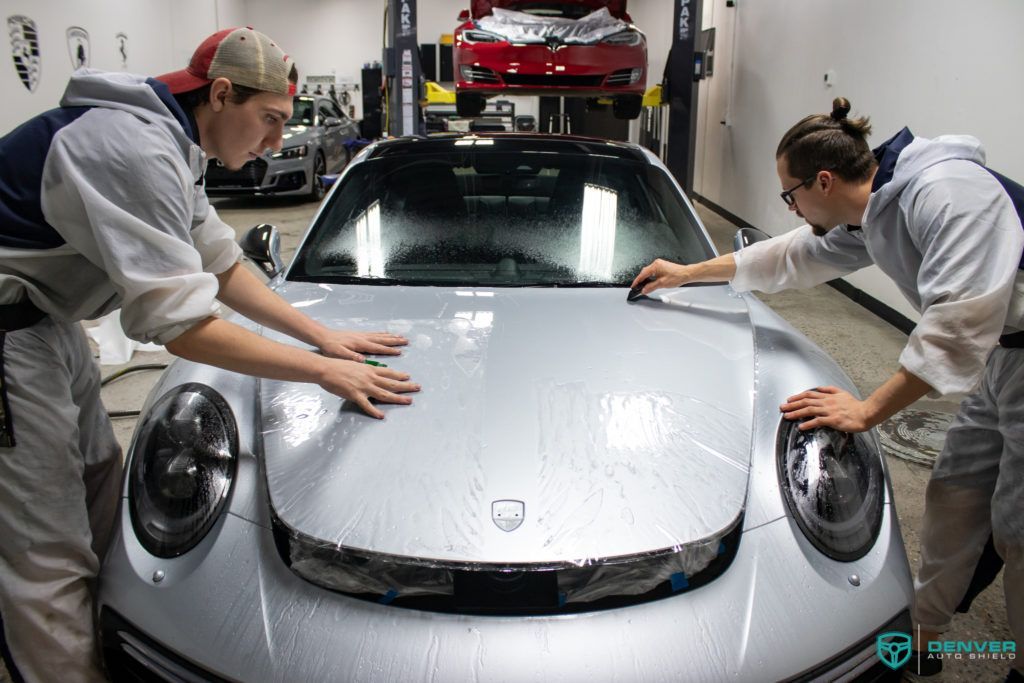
column 865, row 346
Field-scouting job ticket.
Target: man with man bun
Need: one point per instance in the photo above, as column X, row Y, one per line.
column 946, row 230
column 102, row 207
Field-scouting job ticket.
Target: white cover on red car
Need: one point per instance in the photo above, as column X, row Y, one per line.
column 481, row 8
column 520, row 27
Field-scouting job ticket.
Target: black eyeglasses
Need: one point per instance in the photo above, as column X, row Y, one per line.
column 787, row 195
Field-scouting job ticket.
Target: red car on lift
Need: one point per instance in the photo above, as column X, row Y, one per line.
column 496, row 53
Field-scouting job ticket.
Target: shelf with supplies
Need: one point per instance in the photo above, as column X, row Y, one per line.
column 497, row 115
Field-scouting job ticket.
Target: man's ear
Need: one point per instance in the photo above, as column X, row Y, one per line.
column 220, row 89
column 826, row 181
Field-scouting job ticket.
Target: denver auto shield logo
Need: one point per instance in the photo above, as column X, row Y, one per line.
column 893, row 648
column 25, row 50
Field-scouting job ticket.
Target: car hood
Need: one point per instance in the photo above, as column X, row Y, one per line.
column 621, row 428
column 296, row 135
column 481, row 8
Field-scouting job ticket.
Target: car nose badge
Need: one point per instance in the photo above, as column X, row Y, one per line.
column 508, row 514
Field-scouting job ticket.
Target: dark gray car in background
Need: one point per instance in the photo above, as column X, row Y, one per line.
column 314, row 144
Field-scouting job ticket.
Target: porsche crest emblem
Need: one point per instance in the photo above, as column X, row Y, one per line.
column 25, row 50
column 508, row 514
column 78, row 46
column 122, row 48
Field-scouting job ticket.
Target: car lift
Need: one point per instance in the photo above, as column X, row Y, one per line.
column 402, row 70
column 402, row 76
column 682, row 75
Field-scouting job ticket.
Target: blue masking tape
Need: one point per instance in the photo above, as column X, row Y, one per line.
column 561, row 599
column 388, row 597
column 721, row 548
column 679, row 581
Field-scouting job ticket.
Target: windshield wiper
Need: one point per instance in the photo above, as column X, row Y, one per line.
column 588, row 283
column 378, row 281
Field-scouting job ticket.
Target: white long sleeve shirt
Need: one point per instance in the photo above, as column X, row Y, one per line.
column 121, row 186
column 946, row 233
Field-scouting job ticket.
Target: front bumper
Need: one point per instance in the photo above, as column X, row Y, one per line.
column 583, row 70
column 262, row 176
column 230, row 609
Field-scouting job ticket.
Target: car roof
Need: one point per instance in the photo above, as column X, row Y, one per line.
column 508, row 142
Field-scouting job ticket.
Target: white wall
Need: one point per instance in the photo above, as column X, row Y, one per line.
column 231, row 13
column 190, row 21
column 937, row 66
column 162, row 34
column 149, row 46
column 324, row 36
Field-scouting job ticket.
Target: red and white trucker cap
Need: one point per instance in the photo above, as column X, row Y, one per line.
column 244, row 56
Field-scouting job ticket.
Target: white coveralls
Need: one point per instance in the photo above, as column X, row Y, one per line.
column 121, row 184
column 945, row 231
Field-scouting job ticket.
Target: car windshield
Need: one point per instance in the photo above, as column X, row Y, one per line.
column 483, row 218
column 552, row 9
column 303, row 109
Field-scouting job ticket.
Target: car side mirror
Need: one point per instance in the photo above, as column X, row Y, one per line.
column 332, row 122
column 464, row 16
column 262, row 245
column 744, row 237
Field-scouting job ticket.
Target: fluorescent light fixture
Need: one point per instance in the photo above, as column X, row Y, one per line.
column 597, row 236
column 369, row 256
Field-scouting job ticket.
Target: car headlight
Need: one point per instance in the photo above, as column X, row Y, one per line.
column 480, row 37
column 182, row 469
column 624, row 38
column 834, row 487
column 291, row 152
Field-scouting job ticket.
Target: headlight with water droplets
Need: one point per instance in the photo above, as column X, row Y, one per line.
column 834, row 487
column 182, row 469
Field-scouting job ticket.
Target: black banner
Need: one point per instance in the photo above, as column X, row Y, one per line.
column 682, row 92
column 404, row 81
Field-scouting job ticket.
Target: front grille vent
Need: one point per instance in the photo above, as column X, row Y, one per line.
column 250, row 175
column 479, row 74
column 554, row 81
column 624, row 77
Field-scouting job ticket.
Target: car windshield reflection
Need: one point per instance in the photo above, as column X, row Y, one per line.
column 492, row 218
column 303, row 111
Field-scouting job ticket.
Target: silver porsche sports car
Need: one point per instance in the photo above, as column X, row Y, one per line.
column 586, row 488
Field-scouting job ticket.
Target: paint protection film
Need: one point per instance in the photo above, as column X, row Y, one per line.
column 629, row 474
column 523, row 27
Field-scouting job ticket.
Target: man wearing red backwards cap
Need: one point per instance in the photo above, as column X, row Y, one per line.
column 102, row 207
